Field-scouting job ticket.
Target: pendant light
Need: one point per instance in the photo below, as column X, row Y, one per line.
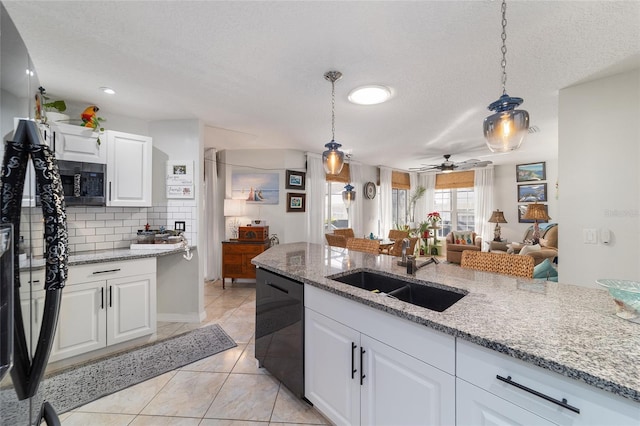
column 348, row 195
column 506, row 129
column 333, row 158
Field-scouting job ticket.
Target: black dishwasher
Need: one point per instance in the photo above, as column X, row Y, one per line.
column 280, row 328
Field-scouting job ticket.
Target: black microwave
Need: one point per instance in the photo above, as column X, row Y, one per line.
column 84, row 184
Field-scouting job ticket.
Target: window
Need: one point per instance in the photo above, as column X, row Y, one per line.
column 457, row 209
column 336, row 211
column 399, row 206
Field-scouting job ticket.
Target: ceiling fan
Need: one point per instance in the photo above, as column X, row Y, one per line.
column 449, row 166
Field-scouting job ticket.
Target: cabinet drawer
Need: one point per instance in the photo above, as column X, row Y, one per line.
column 109, row 270
column 480, row 366
column 243, row 249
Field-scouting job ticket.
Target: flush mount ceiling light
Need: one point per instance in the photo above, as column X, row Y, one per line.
column 108, row 90
column 370, row 95
column 333, row 158
column 506, row 129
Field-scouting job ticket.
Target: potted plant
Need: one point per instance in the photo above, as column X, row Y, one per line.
column 53, row 110
column 413, row 199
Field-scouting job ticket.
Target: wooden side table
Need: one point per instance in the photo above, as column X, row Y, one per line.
column 236, row 258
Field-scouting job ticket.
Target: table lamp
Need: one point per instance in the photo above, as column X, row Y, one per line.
column 233, row 208
column 536, row 212
column 497, row 217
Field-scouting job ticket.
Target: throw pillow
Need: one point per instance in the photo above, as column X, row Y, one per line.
column 530, row 248
column 545, row 270
column 463, row 238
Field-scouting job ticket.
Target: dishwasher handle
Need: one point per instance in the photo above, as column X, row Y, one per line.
column 277, row 287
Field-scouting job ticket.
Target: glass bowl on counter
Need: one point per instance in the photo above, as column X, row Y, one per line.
column 626, row 295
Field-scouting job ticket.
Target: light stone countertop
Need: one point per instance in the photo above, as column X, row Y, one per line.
column 568, row 329
column 102, row 256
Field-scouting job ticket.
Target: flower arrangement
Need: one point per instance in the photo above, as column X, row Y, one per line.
column 434, row 217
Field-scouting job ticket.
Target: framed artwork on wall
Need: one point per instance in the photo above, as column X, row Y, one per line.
column 295, row 180
column 256, row 188
column 296, row 203
column 531, row 172
column 532, row 192
column 522, row 208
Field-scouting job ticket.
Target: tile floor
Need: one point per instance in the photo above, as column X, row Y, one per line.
column 225, row 389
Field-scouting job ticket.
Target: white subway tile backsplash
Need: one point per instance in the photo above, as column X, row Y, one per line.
column 103, row 228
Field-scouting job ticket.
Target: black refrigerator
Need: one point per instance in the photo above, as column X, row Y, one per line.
column 25, row 349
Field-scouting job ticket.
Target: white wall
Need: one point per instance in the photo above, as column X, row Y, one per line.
column 290, row 227
column 180, row 140
column 505, row 197
column 599, row 155
column 370, row 208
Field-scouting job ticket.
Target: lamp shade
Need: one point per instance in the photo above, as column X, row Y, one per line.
column 332, row 158
column 505, row 130
column 233, row 207
column 536, row 212
column 497, row 217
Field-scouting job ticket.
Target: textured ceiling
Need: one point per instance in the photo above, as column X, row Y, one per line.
column 253, row 71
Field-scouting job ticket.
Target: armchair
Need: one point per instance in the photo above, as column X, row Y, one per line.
column 458, row 241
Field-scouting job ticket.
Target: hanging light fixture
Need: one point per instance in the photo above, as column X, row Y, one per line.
column 506, row 129
column 333, row 158
column 348, row 195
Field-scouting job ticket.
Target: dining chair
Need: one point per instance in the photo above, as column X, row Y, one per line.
column 336, row 240
column 364, row 244
column 345, row 232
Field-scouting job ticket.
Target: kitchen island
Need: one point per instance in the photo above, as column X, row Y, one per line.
column 562, row 330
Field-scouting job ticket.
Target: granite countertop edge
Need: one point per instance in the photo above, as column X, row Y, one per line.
column 308, row 275
column 104, row 256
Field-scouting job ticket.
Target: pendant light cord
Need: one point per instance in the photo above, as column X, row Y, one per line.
column 333, row 110
column 504, row 47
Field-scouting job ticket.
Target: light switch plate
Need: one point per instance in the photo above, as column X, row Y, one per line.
column 589, row 236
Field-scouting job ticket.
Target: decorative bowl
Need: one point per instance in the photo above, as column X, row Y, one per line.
column 626, row 295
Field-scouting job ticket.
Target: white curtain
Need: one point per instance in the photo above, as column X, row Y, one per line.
column 356, row 212
column 386, row 218
column 316, row 188
column 427, row 203
column 483, row 190
column 413, row 184
column 212, row 214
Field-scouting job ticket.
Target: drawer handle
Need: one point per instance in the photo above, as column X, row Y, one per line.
column 284, row 290
column 362, row 375
column 353, row 360
column 562, row 403
column 104, row 272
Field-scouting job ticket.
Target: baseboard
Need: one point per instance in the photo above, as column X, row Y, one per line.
column 190, row 317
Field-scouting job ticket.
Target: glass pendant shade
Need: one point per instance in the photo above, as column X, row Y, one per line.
column 348, row 195
column 505, row 130
column 332, row 158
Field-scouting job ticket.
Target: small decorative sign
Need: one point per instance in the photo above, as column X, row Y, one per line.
column 180, row 179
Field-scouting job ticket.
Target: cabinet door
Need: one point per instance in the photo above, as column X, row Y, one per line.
column 332, row 352
column 475, row 406
column 77, row 143
column 82, row 320
column 131, row 308
column 401, row 390
column 32, row 305
column 128, row 169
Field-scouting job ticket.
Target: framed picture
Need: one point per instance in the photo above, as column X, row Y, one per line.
column 179, row 179
column 532, row 192
column 522, row 208
column 295, row 180
column 256, row 188
column 296, row 203
column 530, row 172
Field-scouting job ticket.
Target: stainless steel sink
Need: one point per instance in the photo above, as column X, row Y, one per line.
column 434, row 298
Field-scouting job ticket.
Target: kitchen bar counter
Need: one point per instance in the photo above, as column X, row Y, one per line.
column 102, row 256
column 568, row 329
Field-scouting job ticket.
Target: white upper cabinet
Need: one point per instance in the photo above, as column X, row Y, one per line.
column 76, row 143
column 128, row 169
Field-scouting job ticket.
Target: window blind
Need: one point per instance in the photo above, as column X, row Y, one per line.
column 455, row 180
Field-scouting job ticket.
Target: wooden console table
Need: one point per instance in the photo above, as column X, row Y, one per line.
column 236, row 258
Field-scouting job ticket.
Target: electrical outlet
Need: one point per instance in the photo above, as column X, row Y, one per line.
column 589, row 236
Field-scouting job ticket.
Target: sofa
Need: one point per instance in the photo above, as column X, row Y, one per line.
column 548, row 244
column 458, row 241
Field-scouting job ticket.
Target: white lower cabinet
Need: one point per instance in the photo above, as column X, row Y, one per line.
column 354, row 378
column 527, row 394
column 32, row 296
column 475, row 406
column 119, row 304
